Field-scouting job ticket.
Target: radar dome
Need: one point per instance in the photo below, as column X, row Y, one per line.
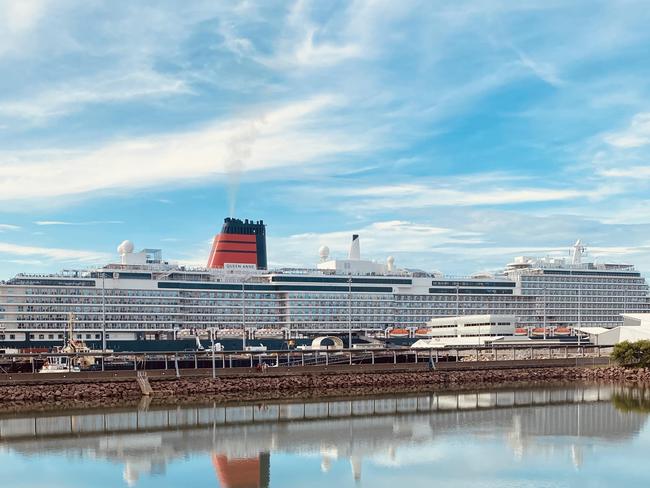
column 125, row 248
column 324, row 252
column 390, row 263
column 484, row 275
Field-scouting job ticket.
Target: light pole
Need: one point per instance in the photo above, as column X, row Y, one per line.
column 350, row 312
column 103, row 312
column 214, row 369
column 579, row 310
column 243, row 313
column 544, row 309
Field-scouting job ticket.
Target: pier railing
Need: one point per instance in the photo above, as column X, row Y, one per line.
column 183, row 362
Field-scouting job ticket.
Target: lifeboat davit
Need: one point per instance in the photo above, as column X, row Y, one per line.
column 398, row 333
column 562, row 331
column 539, row 332
column 521, row 331
column 424, row 333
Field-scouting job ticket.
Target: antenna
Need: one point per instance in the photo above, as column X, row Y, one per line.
column 578, row 251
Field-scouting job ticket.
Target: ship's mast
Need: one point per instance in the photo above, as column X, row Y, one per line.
column 578, row 251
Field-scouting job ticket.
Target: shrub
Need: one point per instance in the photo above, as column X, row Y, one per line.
column 635, row 354
column 632, row 401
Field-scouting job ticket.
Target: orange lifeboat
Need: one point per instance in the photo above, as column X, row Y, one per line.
column 424, row 333
column 562, row 331
column 539, row 332
column 521, row 331
column 398, row 333
column 229, row 333
column 269, row 334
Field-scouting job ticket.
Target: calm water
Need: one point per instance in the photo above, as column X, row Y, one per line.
column 586, row 436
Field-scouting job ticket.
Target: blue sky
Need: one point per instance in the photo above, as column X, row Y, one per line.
column 452, row 135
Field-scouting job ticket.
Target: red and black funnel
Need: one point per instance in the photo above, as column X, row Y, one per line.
column 240, row 242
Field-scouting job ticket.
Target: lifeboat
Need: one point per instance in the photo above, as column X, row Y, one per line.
column 562, row 331
column 269, row 334
column 229, row 333
column 424, row 333
column 539, row 332
column 521, row 331
column 398, row 333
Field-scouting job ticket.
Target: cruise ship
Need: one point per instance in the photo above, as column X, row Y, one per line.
column 142, row 302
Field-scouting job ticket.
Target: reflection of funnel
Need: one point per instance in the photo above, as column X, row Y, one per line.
column 243, row 473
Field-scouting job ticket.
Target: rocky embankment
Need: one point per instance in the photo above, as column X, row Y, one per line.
column 265, row 386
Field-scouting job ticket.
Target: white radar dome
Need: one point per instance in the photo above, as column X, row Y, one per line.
column 390, row 263
column 324, row 252
column 125, row 248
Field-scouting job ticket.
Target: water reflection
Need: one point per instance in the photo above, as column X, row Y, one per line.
column 242, row 440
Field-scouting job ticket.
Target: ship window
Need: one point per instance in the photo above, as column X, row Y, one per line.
column 2, row 337
column 50, row 336
column 12, row 336
column 31, row 336
column 60, row 336
column 41, row 336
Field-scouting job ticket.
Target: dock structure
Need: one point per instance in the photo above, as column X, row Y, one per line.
column 24, row 368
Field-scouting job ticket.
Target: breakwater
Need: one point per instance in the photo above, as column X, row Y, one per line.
column 270, row 386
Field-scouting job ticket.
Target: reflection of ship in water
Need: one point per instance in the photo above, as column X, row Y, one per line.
column 251, row 472
column 241, row 438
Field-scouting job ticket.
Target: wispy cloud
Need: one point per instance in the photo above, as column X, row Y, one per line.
column 289, row 135
column 637, row 134
column 53, row 253
column 4, row 227
column 475, row 190
column 91, row 222
column 379, row 239
column 105, row 88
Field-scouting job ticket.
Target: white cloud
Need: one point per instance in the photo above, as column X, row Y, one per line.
column 4, row 227
column 544, row 71
column 291, row 135
column 469, row 191
column 636, row 135
column 90, row 222
column 19, row 19
column 378, row 240
column 635, row 172
column 107, row 87
column 52, row 253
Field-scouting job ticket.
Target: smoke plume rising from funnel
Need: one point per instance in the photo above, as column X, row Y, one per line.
column 239, row 151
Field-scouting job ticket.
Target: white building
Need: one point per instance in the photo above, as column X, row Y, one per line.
column 636, row 327
column 467, row 330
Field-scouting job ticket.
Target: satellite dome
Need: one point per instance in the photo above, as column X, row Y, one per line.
column 125, row 248
column 324, row 252
column 390, row 263
column 485, row 275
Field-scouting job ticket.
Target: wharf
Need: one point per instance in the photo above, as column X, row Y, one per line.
column 240, row 364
